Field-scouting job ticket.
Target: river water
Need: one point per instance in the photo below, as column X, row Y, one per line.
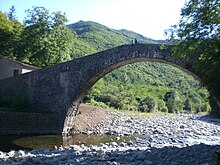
column 13, row 142
column 163, row 140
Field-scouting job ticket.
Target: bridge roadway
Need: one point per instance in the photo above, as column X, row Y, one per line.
column 59, row 89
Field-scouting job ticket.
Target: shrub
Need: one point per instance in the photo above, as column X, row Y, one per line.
column 161, row 106
column 148, row 104
column 187, row 105
column 205, row 107
column 173, row 102
column 164, row 109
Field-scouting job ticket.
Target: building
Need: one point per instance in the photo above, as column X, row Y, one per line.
column 10, row 67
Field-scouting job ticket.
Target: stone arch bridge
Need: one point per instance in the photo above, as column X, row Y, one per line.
column 59, row 89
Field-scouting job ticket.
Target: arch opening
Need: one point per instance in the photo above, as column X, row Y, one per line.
column 111, row 68
column 72, row 112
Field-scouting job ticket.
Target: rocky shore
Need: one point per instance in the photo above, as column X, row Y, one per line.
column 163, row 140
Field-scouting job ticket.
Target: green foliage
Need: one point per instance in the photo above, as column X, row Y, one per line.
column 214, row 105
column 10, row 31
column 127, row 87
column 197, row 39
column 173, row 102
column 148, row 104
column 11, row 14
column 161, row 105
column 45, row 40
column 187, row 105
column 94, row 37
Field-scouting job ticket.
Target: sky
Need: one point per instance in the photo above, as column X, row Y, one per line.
column 146, row 17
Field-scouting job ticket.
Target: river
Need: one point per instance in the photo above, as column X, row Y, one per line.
column 13, row 142
column 163, row 140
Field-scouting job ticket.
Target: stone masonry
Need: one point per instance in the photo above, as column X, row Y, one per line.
column 58, row 89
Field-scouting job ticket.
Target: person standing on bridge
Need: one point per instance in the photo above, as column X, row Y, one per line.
column 134, row 41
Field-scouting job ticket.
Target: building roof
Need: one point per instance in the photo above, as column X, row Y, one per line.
column 25, row 65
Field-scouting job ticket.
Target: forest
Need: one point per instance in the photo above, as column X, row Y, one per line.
column 44, row 39
column 150, row 87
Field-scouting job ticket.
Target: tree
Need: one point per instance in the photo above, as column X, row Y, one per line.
column 187, row 105
column 10, row 31
column 173, row 102
column 46, row 40
column 197, row 40
column 161, row 106
column 148, row 104
column 12, row 13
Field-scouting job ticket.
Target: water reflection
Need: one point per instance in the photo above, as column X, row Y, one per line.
column 50, row 141
column 34, row 142
column 86, row 139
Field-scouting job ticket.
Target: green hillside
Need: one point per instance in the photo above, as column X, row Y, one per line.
column 146, row 86
column 91, row 30
column 93, row 37
column 127, row 87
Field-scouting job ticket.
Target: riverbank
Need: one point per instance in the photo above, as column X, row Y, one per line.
column 166, row 139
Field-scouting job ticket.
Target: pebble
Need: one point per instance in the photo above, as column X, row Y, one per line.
column 20, row 153
column 114, row 144
column 181, row 139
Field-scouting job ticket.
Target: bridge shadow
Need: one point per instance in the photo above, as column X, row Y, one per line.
column 192, row 155
column 209, row 119
column 6, row 143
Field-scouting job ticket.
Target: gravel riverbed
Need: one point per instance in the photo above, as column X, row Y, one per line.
column 163, row 140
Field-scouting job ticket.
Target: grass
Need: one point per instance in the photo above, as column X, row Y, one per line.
column 143, row 115
column 149, row 115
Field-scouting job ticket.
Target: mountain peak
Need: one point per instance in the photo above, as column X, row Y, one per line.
column 104, row 34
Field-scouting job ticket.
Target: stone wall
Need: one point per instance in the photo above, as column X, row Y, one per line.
column 27, row 123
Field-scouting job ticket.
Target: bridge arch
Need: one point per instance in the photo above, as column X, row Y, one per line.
column 59, row 89
column 109, row 68
column 88, row 85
